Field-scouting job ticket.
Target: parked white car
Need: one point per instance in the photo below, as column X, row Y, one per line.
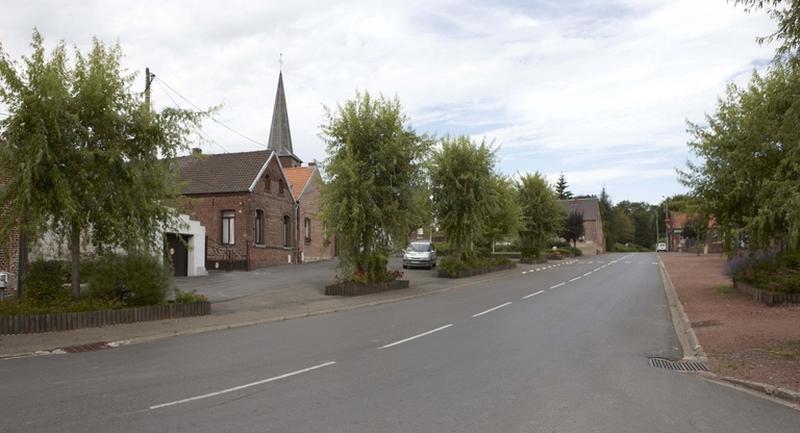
column 661, row 247
column 419, row 254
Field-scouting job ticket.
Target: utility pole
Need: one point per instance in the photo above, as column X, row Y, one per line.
column 148, row 80
column 666, row 229
column 655, row 211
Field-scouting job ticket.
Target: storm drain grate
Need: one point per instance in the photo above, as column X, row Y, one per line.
column 682, row 366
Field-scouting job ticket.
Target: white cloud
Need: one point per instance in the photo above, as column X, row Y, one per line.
column 579, row 82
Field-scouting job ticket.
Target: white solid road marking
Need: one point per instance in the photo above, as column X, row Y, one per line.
column 557, row 286
column 405, row 340
column 533, row 294
column 491, row 309
column 575, row 279
column 237, row 388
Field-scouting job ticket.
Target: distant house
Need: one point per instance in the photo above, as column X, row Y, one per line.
column 9, row 252
column 593, row 241
column 678, row 241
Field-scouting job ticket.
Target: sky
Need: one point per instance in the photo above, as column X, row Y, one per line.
column 597, row 90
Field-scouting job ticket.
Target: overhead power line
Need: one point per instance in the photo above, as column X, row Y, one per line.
column 212, row 117
column 199, row 131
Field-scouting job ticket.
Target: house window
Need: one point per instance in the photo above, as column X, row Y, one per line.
column 281, row 186
column 267, row 184
column 259, row 227
column 286, row 233
column 307, row 229
column 227, row 234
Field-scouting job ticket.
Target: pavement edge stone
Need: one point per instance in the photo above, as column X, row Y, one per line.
column 690, row 345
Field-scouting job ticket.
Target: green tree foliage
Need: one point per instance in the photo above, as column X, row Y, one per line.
column 644, row 217
column 622, row 226
column 562, row 193
column 749, row 172
column 91, row 163
column 606, row 215
column 542, row 215
column 373, row 193
column 787, row 14
column 504, row 216
column 464, row 188
column 573, row 227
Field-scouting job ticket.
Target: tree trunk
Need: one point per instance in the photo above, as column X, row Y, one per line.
column 75, row 256
column 22, row 258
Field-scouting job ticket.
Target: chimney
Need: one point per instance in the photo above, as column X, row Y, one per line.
column 197, row 151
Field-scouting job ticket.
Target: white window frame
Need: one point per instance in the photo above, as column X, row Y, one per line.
column 228, row 227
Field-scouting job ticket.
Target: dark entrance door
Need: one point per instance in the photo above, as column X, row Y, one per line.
column 177, row 252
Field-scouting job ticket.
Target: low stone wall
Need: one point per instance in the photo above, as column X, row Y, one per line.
column 37, row 323
column 354, row 289
column 767, row 298
column 477, row 271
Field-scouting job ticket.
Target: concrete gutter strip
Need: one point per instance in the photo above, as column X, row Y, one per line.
column 692, row 350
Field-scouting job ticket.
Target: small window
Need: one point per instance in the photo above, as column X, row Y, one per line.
column 260, row 227
column 267, row 184
column 281, row 186
column 307, row 229
column 227, row 233
column 286, row 233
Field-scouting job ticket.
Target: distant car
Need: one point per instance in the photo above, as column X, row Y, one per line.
column 661, row 247
column 419, row 254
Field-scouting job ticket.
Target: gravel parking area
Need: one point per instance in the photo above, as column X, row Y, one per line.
column 742, row 339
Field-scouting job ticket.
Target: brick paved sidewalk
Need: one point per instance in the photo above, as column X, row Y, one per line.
column 742, row 339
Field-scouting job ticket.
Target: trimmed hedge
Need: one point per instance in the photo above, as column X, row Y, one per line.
column 450, row 267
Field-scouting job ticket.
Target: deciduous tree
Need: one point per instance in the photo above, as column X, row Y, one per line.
column 90, row 162
column 372, row 198
column 542, row 215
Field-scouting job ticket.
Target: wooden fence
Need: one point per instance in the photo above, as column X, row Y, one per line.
column 36, row 323
column 767, row 298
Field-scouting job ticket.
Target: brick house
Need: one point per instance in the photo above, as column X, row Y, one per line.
column 259, row 208
column 244, row 202
column 305, row 183
column 593, row 241
column 9, row 252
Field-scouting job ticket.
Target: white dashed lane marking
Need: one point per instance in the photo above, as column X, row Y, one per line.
column 575, row 279
column 492, row 309
column 557, row 286
column 240, row 387
column 533, row 294
column 405, row 340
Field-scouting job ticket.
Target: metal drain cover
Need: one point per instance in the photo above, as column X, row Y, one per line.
column 682, row 366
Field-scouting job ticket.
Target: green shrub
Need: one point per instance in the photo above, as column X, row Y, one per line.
column 44, row 284
column 133, row 279
column 27, row 306
column 182, row 297
column 442, row 248
column 452, row 266
column 779, row 274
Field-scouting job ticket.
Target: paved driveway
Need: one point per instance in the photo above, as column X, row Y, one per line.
column 308, row 278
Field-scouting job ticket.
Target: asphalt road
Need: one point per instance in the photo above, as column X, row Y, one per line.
column 510, row 355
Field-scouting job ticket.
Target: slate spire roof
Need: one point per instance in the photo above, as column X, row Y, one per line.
column 280, row 137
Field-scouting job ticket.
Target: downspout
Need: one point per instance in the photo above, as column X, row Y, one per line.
column 297, row 232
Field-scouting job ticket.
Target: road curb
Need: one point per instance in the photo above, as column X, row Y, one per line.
column 690, row 345
column 204, row 329
column 773, row 393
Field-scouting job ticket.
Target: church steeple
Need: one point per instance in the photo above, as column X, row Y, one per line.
column 280, row 137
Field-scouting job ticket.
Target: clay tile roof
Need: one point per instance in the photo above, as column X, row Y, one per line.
column 298, row 178
column 220, row 173
column 589, row 206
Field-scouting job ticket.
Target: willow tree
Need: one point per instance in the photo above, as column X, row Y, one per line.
column 463, row 189
column 542, row 215
column 90, row 162
column 374, row 171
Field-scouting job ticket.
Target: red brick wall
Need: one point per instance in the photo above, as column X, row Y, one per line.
column 314, row 247
column 208, row 208
column 9, row 250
